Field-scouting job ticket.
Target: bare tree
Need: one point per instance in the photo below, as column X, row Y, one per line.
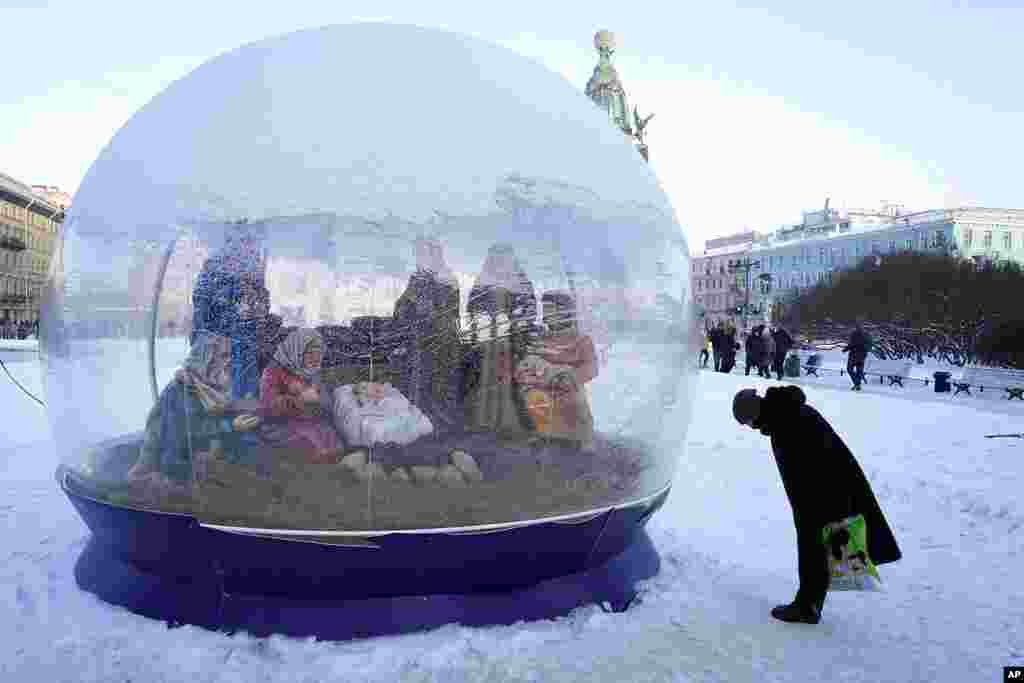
column 917, row 305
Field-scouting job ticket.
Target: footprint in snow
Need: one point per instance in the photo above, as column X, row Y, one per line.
column 51, row 584
column 25, row 600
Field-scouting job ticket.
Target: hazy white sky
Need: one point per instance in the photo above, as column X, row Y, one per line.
column 759, row 113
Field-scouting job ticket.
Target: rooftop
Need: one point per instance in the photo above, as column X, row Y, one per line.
column 25, row 192
column 738, row 248
column 870, row 222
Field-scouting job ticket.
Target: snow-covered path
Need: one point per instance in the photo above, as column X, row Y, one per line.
column 954, row 609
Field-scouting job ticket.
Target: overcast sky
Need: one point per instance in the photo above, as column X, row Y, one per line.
column 759, row 113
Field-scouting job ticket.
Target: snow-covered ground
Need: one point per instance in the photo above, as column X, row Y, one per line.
column 12, row 345
column 953, row 609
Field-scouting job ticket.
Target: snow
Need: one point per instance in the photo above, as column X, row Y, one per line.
column 726, row 251
column 30, row 345
column 953, row 609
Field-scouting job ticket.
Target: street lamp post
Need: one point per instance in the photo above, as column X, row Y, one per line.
column 745, row 265
column 766, row 288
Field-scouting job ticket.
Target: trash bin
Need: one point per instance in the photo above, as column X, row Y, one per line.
column 942, row 385
column 792, row 366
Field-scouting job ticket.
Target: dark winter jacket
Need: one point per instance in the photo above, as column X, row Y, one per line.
column 716, row 339
column 859, row 345
column 822, row 479
column 783, row 342
column 755, row 346
column 729, row 347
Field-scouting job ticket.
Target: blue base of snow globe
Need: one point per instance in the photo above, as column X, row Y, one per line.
column 171, row 567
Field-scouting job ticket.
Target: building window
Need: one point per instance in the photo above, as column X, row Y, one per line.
column 987, row 243
column 968, row 237
column 821, row 256
column 892, row 246
column 1007, row 240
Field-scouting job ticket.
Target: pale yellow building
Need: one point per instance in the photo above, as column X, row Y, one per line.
column 29, row 227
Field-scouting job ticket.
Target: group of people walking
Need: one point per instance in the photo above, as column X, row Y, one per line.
column 720, row 343
column 766, row 348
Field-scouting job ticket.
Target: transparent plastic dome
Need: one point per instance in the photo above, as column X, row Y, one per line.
column 370, row 278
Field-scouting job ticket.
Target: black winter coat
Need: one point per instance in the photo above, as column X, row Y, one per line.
column 728, row 347
column 860, row 344
column 716, row 340
column 823, row 481
column 755, row 346
column 783, row 342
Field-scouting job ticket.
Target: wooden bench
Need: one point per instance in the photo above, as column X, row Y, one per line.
column 1011, row 381
column 892, row 370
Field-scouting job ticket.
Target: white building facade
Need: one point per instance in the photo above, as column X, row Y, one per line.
column 831, row 240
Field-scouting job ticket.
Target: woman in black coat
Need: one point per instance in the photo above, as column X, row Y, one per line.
column 824, row 484
column 729, row 348
column 715, row 334
column 783, row 343
column 755, row 348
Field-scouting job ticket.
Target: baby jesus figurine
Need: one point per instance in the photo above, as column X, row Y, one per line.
column 368, row 413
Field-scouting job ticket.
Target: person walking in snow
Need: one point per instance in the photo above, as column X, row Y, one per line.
column 754, row 347
column 729, row 347
column 783, row 343
column 705, row 351
column 768, row 356
column 858, row 348
column 716, row 345
column 824, row 484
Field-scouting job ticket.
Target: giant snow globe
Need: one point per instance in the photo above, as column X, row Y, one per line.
column 373, row 299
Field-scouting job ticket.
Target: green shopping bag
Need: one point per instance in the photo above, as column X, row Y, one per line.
column 846, row 546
